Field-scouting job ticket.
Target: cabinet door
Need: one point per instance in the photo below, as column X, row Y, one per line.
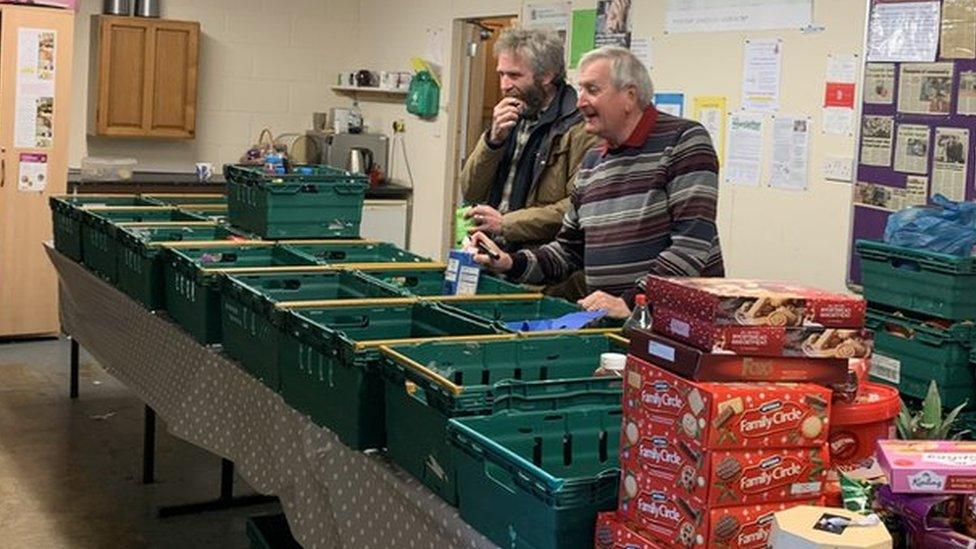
column 172, row 97
column 28, row 133
column 122, row 58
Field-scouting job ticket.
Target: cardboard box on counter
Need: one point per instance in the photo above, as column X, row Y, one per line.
column 692, row 363
column 766, row 341
column 720, row 478
column 711, row 416
column 929, row 466
column 729, row 302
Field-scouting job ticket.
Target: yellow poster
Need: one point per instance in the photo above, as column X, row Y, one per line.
column 710, row 111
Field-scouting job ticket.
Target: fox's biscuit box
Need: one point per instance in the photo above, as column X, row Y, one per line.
column 721, row 478
column 711, row 416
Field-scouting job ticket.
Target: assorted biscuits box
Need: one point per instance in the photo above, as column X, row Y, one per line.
column 693, row 363
column 929, row 466
column 613, row 533
column 684, row 526
column 712, row 416
column 731, row 302
column 721, row 478
column 768, row 341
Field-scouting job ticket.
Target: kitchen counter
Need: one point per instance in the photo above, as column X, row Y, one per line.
column 163, row 182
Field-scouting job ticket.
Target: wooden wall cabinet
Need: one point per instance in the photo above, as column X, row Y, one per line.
column 143, row 77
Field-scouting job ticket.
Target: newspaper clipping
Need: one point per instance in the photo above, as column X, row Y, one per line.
column 876, row 137
column 879, row 83
column 967, row 93
column 925, row 88
column 912, row 149
column 950, row 163
column 892, row 199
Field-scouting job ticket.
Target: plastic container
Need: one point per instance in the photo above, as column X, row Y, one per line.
column 250, row 318
column 191, row 271
column 855, row 428
column 329, row 357
column 512, row 308
column 929, row 283
column 911, row 351
column 66, row 218
column 429, row 383
column 178, row 200
column 140, row 256
column 321, row 203
column 107, row 169
column 331, row 252
column 426, row 282
column 538, row 479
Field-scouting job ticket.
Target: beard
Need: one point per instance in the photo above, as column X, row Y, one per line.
column 534, row 98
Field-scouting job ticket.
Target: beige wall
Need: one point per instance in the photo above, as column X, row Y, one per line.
column 262, row 64
column 767, row 233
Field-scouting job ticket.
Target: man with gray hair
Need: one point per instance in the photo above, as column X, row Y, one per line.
column 521, row 172
column 644, row 202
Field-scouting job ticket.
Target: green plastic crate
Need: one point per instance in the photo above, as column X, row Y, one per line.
column 191, row 275
column 501, row 310
column 339, row 252
column 924, row 282
column 140, row 257
column 538, row 479
column 328, row 356
column 910, row 351
column 326, row 203
column 429, row 383
column 430, row 282
column 99, row 232
column 66, row 218
column 184, row 199
column 270, row 532
column 250, row 332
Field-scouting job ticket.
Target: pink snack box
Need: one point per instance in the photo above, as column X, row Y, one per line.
column 929, row 466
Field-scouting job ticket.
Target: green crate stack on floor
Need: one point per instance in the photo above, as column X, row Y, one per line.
column 922, row 307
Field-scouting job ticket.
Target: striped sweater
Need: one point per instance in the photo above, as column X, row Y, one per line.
column 647, row 206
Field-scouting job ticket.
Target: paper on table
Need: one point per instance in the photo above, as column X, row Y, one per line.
column 925, row 88
column 761, row 75
column 641, row 48
column 904, row 31
column 791, row 153
column 958, row 29
column 743, row 165
column 710, row 111
column 879, row 83
column 838, row 168
column 912, row 149
column 877, row 134
column 950, row 162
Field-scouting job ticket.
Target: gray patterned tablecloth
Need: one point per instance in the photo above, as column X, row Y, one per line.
column 332, row 496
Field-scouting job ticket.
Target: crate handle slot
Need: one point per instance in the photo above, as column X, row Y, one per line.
column 350, row 321
column 905, row 264
column 292, row 284
column 500, row 476
column 897, row 330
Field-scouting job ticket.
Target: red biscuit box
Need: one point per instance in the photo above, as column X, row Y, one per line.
column 740, row 527
column 613, row 533
column 726, row 301
column 770, row 341
column 722, row 415
column 723, row 478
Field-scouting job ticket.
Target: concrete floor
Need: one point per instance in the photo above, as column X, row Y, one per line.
column 70, row 471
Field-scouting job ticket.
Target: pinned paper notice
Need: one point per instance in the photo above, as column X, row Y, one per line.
column 838, row 168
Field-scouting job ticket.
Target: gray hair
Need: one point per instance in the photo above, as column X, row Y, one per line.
column 625, row 70
column 541, row 49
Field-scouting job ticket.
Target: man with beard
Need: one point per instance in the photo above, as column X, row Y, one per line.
column 643, row 203
column 521, row 173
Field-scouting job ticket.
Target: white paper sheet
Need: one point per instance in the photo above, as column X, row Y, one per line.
column 641, row 48
column 789, row 165
column 32, row 172
column 912, row 149
column 36, row 70
column 743, row 165
column 838, row 168
column 726, row 15
column 950, row 162
column 838, row 121
column 549, row 15
column 906, row 31
column 761, row 75
column 842, row 67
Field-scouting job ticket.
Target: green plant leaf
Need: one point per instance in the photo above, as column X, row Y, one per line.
column 932, row 406
column 950, row 419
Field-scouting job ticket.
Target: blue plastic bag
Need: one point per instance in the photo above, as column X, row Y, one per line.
column 946, row 227
column 571, row 321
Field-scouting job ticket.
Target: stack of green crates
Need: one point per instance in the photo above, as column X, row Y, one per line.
column 67, row 212
column 311, row 202
column 140, row 255
column 426, row 384
column 922, row 306
column 538, row 478
column 428, row 282
column 191, row 278
column 174, row 199
column 329, row 356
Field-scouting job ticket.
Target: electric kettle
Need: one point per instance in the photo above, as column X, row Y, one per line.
column 360, row 160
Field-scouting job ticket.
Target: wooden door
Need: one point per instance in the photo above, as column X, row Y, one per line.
column 28, row 283
column 172, row 96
